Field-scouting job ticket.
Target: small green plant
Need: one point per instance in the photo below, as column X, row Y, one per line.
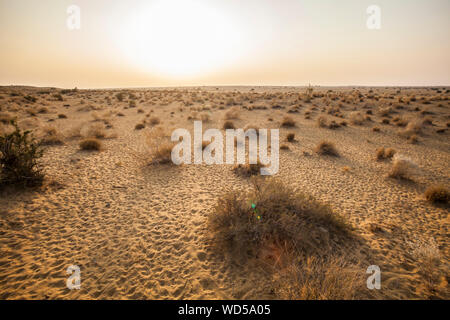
column 19, row 154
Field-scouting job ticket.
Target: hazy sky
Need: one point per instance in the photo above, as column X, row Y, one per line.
column 138, row 43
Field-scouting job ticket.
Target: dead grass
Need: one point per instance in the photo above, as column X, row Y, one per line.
column 320, row 278
column 290, row 137
column 273, row 213
column 402, row 168
column 154, row 121
column 356, row 118
column 51, row 136
column 326, row 148
column 432, row 271
column 438, row 194
column 383, row 153
column 228, row 125
column 288, row 122
column 91, row 144
column 248, row 170
column 159, row 147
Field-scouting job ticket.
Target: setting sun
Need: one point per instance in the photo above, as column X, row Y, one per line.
column 178, row 38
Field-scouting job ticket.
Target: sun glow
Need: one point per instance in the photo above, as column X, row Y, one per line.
column 179, row 38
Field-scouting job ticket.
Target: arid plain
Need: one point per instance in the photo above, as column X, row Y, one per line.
column 140, row 227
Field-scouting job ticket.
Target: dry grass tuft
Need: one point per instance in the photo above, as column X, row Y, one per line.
column 402, row 168
column 290, row 137
column 248, row 170
column 139, row 126
column 273, row 213
column 383, row 153
column 288, row 122
column 228, row 125
column 326, row 148
column 437, row 194
column 160, row 146
column 51, row 136
column 356, row 118
column 90, row 144
column 320, row 278
column 154, row 121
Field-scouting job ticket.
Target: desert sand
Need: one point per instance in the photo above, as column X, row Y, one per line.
column 140, row 231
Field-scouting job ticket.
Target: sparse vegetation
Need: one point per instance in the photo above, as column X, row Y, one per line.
column 90, row 144
column 271, row 214
column 326, row 148
column 228, row 125
column 383, row 153
column 248, row 170
column 288, row 122
column 438, row 194
column 402, row 168
column 19, row 155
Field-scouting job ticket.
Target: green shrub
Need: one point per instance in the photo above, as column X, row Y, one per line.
column 19, row 154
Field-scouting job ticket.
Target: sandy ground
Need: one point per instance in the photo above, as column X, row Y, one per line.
column 140, row 232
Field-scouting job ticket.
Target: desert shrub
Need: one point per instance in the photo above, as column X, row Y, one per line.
column 228, row 125
column 244, row 224
column 284, row 147
column 288, row 122
column 376, row 129
column 290, row 137
column 383, row 153
column 19, row 154
column 402, row 167
column 320, row 278
column 62, row 116
column 154, row 121
column 139, row 126
column 432, row 271
column 356, row 118
column 51, row 136
column 160, row 147
column 326, row 148
column 90, row 144
column 437, row 194
column 96, row 130
column 248, row 170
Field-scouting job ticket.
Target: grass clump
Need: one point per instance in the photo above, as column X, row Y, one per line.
column 160, row 147
column 19, row 155
column 326, row 148
column 437, row 194
column 385, row 153
column 288, row 122
column 402, row 168
column 290, row 137
column 228, row 125
column 248, row 170
column 273, row 213
column 90, row 144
